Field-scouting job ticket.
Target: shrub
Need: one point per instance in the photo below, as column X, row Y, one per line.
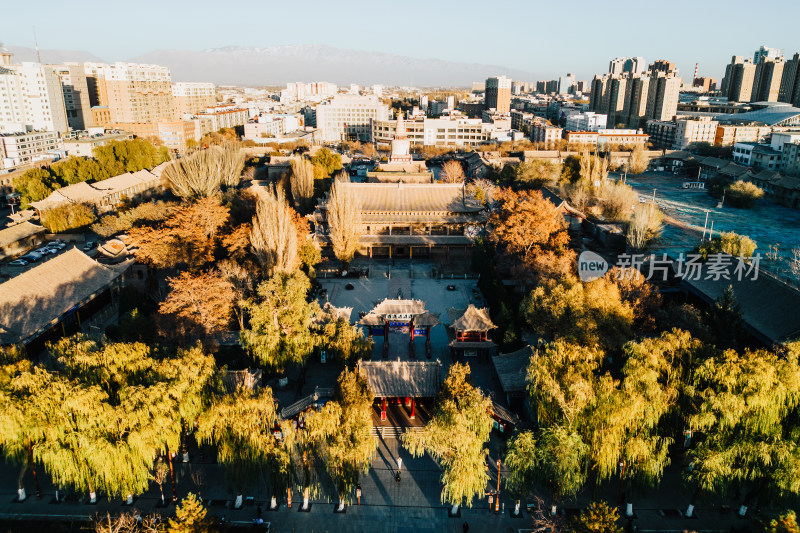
column 67, row 217
column 729, row 243
column 743, row 194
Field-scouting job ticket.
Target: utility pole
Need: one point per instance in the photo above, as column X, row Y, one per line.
column 705, row 225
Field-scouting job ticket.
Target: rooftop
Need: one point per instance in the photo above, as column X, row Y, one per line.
column 32, row 301
column 774, row 115
column 18, row 232
column 769, row 306
column 398, row 379
column 512, row 369
column 472, row 319
column 414, row 197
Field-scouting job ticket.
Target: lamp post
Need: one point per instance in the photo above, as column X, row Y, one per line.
column 497, row 500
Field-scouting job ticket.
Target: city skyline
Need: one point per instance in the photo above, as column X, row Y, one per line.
column 430, row 32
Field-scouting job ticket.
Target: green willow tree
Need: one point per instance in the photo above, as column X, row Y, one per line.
column 108, row 410
column 555, row 455
column 456, row 437
column 565, row 389
column 747, row 420
column 240, row 425
column 22, row 421
column 280, row 329
column 347, row 446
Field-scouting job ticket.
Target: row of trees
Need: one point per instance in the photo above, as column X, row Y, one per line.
column 111, row 159
column 738, row 408
column 107, row 414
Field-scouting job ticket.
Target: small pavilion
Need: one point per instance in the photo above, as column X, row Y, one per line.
column 471, row 331
column 403, row 316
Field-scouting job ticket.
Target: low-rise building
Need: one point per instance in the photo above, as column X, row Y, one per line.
column 267, row 127
column 790, row 159
column 84, row 146
column 216, row 118
column 22, row 148
column 411, row 220
column 174, row 134
column 59, row 297
column 588, row 121
column 691, row 131
column 545, row 133
column 433, row 131
column 780, row 138
column 19, row 238
column 765, row 157
column 661, row 132
column 730, row 134
column 607, row 138
column 106, row 194
column 743, row 152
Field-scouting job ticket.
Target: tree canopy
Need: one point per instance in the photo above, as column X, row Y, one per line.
column 456, row 437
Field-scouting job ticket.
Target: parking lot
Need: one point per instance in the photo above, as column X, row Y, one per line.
column 41, row 254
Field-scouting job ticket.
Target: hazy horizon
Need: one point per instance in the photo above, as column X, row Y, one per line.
column 545, row 40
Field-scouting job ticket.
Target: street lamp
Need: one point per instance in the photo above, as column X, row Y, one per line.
column 497, row 500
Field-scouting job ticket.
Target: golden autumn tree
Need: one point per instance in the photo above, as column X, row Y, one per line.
column 202, row 303
column 532, row 233
column 186, row 237
column 344, row 222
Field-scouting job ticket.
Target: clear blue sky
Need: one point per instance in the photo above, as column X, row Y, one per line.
column 546, row 38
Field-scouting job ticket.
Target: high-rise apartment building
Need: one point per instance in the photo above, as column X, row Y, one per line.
column 739, row 77
column 347, row 117
column 790, row 84
column 766, row 52
column 662, row 97
column 30, row 98
column 565, row 83
column 498, row 94
column 662, row 65
column 191, row 98
column 626, row 65
column 633, row 99
column 76, row 95
column 133, row 93
column 767, row 79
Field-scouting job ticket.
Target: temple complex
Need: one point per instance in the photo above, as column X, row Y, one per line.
column 436, row 221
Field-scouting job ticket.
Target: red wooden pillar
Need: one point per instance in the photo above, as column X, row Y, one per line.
column 413, row 404
column 383, row 409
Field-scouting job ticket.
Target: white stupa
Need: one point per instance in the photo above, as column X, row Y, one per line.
column 401, row 146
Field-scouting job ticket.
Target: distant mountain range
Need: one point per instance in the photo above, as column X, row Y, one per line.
column 23, row 53
column 276, row 65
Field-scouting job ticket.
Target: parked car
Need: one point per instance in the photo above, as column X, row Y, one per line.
column 58, row 245
column 31, row 257
column 89, row 245
column 44, row 250
column 18, row 263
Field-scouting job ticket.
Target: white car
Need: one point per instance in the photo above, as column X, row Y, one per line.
column 45, row 251
column 58, row 245
column 18, row 262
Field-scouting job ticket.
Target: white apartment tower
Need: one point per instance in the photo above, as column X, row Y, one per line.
column 348, row 116
column 30, row 97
